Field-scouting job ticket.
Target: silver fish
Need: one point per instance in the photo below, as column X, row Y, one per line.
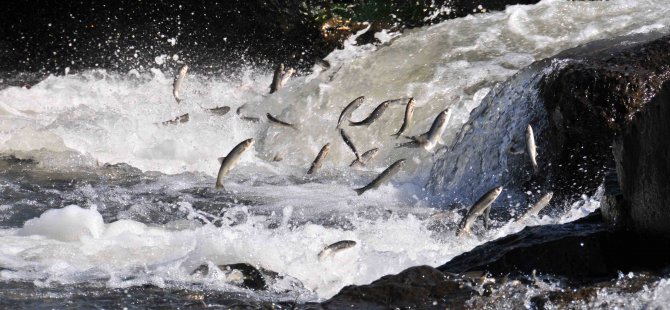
column 377, row 113
column 409, row 112
column 276, row 78
column 482, row 206
column 178, row 81
column 349, row 143
column 233, row 157
column 399, row 100
column 280, row 122
column 432, row 137
column 336, row 247
column 531, row 147
column 318, row 161
column 220, row 110
column 365, row 158
column 383, row 177
column 350, row 108
column 286, row 75
column 184, row 118
column 537, row 207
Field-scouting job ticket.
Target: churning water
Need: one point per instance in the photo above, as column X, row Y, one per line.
column 125, row 228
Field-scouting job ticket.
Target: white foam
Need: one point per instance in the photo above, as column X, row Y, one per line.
column 70, row 223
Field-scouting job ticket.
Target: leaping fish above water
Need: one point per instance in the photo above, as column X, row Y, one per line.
column 532, row 148
column 178, row 81
column 383, row 177
column 377, row 113
column 350, row 108
column 279, row 122
column 318, row 161
column 349, row 143
column 233, row 157
column 482, row 206
column 537, row 207
column 286, row 75
column 409, row 112
column 365, row 158
column 335, row 248
column 433, row 136
column 276, row 78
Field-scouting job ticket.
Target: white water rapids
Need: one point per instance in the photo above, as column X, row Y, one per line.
column 78, row 121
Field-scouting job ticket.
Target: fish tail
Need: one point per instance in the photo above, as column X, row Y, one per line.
column 360, row 191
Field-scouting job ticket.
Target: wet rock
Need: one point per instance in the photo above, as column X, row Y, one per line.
column 642, row 153
column 248, row 276
column 580, row 251
column 576, row 102
column 245, row 275
column 612, row 202
column 590, row 99
column 419, row 287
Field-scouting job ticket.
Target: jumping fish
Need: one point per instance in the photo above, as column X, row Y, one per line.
column 228, row 162
column 286, row 75
column 277, row 157
column 409, row 111
column 433, row 136
column 336, row 247
column 365, row 158
column 350, row 108
column 318, row 161
column 184, row 118
column 280, row 122
column 537, row 207
column 532, row 148
column 383, row 177
column 276, row 78
column 482, row 206
column 349, row 143
column 377, row 113
column 219, row 110
column 178, row 81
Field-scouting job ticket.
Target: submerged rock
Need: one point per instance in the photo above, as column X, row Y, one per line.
column 248, row 276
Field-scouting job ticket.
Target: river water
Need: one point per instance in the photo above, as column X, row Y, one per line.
column 73, row 140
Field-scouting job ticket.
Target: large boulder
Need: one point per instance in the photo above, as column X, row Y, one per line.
column 642, row 153
column 583, row 251
column 577, row 102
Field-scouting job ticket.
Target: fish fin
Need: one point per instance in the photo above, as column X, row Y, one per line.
column 221, row 159
column 360, row 191
column 487, row 218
